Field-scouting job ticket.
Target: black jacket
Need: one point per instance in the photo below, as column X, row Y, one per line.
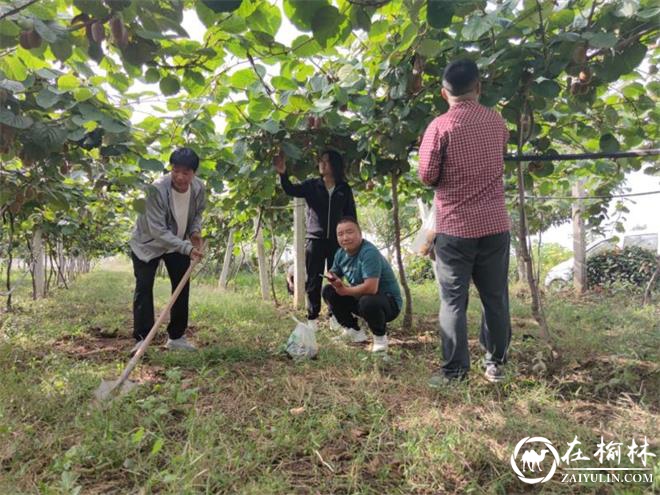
column 321, row 223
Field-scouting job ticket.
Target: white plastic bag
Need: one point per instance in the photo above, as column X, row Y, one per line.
column 302, row 342
column 423, row 242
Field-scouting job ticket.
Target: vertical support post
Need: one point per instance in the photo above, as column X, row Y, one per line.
column 261, row 259
column 224, row 274
column 579, row 240
column 39, row 264
column 299, row 252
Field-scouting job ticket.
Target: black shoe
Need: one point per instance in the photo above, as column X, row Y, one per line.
column 440, row 380
column 494, row 373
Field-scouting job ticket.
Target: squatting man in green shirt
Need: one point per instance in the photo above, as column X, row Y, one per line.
column 372, row 292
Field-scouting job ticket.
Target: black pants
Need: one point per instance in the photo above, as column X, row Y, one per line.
column 143, row 299
column 485, row 260
column 377, row 309
column 319, row 253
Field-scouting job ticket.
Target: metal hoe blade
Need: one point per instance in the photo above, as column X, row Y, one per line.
column 108, row 389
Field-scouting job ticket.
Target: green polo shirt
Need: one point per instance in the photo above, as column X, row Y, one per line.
column 367, row 263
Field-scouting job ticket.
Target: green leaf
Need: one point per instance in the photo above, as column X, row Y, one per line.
column 360, row 18
column 259, row 108
column 49, row 74
column 112, row 125
column 270, row 126
column 140, row 52
column 62, row 49
column 546, row 88
column 298, row 103
column 603, row 40
column 305, row 46
column 439, row 13
column 292, row 151
column 301, row 13
column 614, row 67
column 429, row 48
column 219, row 6
column 45, row 31
column 119, row 81
column 150, row 164
column 114, row 150
column 561, row 19
column 15, row 121
column 169, row 85
column 92, row 7
column 266, row 18
column 243, row 78
column 82, row 94
column 541, row 169
column 608, row 143
column 48, row 137
column 151, row 76
column 12, row 86
column 8, row 28
column 140, row 206
column 77, row 134
column 194, row 82
column 325, row 24
column 477, row 26
column 283, row 83
column 68, row 82
column 46, row 98
column 139, row 434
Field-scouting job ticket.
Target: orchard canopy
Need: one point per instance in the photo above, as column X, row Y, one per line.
column 77, row 147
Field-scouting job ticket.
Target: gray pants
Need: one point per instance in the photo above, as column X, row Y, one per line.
column 486, row 261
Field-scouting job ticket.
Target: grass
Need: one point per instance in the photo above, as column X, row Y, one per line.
column 238, row 417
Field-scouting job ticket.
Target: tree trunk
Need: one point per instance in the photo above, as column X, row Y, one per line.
column 10, row 259
column 407, row 315
column 579, row 245
column 39, row 265
column 299, row 252
column 651, row 284
column 226, row 264
column 60, row 262
column 261, row 258
column 537, row 309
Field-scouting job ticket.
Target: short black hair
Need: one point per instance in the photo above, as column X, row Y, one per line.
column 348, row 219
column 337, row 164
column 460, row 76
column 185, row 157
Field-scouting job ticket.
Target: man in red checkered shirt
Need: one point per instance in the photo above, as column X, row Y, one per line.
column 461, row 155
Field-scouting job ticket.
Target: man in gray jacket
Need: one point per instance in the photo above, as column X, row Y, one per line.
column 169, row 229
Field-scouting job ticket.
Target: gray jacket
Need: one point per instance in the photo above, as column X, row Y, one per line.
column 155, row 230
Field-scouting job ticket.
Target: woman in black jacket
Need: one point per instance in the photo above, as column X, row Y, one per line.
column 329, row 198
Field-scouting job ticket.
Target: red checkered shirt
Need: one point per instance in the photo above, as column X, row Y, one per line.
column 462, row 156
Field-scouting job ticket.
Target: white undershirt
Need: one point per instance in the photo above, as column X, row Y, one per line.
column 181, row 203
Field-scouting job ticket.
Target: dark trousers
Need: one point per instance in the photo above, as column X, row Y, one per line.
column 486, row 261
column 319, row 253
column 377, row 309
column 143, row 299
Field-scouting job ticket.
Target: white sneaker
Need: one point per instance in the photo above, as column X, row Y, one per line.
column 313, row 324
column 380, row 343
column 355, row 336
column 180, row 344
column 335, row 325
